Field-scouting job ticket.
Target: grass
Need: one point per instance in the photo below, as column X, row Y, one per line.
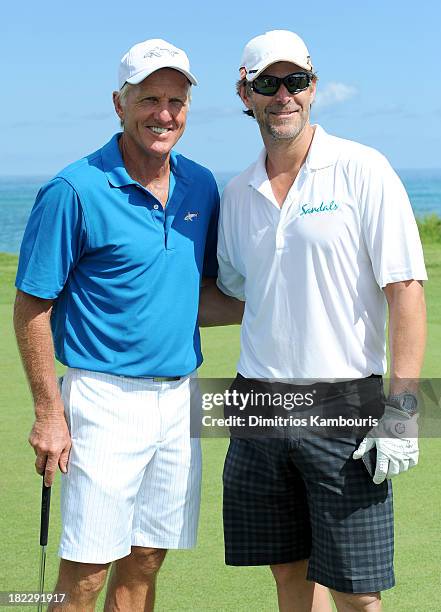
column 430, row 229
column 198, row 580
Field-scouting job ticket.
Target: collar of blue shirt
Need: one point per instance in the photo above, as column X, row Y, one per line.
column 113, row 164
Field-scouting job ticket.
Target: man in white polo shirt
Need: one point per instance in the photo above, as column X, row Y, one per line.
column 318, row 238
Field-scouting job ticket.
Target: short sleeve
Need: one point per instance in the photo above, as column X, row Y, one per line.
column 388, row 226
column 53, row 241
column 210, row 259
column 230, row 281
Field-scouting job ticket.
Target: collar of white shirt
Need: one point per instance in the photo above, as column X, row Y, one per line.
column 323, row 152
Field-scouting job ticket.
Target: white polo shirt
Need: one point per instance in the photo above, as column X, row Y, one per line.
column 312, row 272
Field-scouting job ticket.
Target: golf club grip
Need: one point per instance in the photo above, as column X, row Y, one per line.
column 45, row 508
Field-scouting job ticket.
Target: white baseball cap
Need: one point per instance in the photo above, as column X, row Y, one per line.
column 146, row 57
column 271, row 47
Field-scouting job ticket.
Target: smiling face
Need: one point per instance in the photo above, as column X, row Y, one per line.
column 284, row 115
column 154, row 113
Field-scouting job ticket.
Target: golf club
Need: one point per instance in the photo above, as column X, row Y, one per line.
column 44, row 526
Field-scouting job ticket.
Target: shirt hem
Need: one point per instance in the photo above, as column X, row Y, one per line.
column 404, row 275
column 35, row 291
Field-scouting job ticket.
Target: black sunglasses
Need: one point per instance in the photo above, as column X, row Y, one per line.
column 268, row 85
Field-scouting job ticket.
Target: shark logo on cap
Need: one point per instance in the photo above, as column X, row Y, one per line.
column 159, row 52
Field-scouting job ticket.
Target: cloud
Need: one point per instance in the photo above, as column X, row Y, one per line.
column 332, row 94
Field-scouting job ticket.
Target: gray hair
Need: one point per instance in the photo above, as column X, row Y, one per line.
column 123, row 93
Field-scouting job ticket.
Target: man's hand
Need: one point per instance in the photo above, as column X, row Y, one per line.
column 51, row 442
column 396, row 440
column 216, row 308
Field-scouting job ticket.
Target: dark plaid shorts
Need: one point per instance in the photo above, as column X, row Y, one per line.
column 302, row 496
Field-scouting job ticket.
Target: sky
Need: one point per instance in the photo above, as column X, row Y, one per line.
column 377, row 62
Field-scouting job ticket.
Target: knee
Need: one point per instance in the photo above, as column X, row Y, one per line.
column 285, row 573
column 91, row 585
column 147, row 561
column 82, row 579
column 358, row 602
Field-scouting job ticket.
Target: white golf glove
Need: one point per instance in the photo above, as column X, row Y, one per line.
column 396, row 440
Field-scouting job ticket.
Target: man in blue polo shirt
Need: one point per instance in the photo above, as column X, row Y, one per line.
column 109, row 274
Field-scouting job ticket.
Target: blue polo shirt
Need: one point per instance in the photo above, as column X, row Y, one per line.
column 124, row 272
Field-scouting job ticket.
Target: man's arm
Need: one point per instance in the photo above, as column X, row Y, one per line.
column 396, row 435
column 49, row 436
column 407, row 334
column 216, row 308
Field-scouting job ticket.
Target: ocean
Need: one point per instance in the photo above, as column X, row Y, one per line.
column 17, row 195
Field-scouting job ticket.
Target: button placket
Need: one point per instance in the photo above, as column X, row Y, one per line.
column 280, row 231
column 284, row 212
column 291, row 201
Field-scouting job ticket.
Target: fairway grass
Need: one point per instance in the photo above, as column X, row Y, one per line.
column 198, row 580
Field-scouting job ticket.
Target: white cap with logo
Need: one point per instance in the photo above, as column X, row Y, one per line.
column 271, row 47
column 146, row 57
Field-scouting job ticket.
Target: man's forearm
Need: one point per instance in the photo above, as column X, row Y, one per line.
column 407, row 334
column 34, row 339
column 216, row 308
column 49, row 436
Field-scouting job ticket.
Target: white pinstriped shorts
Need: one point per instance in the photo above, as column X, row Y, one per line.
column 134, row 472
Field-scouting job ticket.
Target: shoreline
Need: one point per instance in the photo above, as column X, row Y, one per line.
column 429, row 227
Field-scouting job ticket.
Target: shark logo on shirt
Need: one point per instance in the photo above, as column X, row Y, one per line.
column 190, row 216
